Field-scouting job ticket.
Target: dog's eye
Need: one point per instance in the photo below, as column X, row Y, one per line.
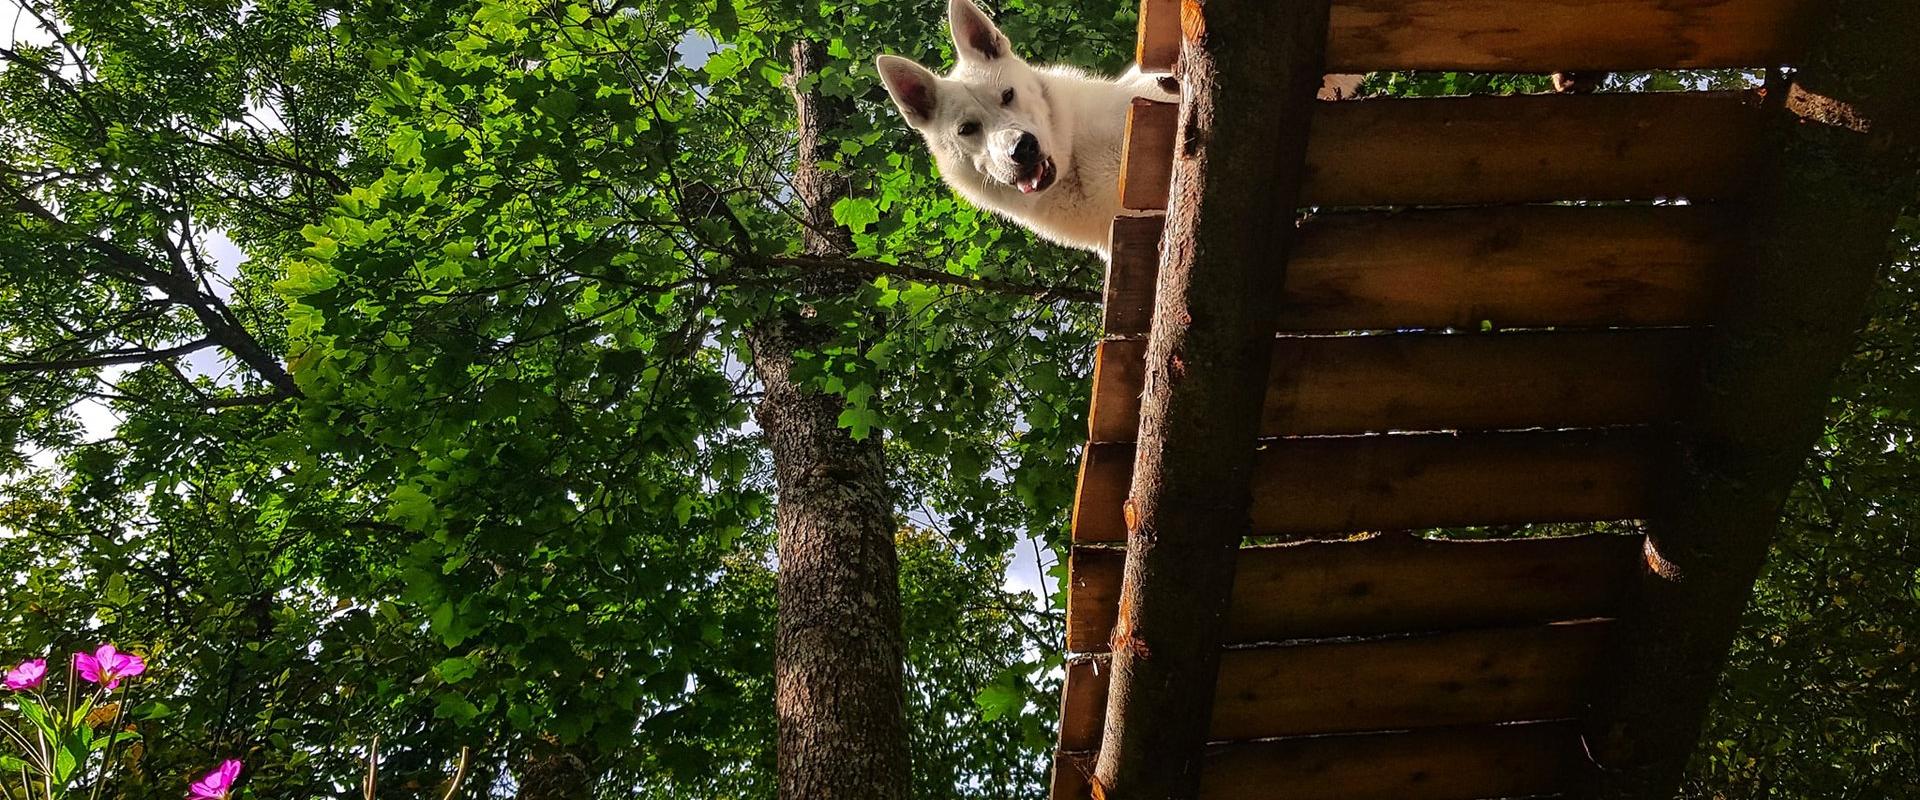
column 1006, row 97
column 969, row 128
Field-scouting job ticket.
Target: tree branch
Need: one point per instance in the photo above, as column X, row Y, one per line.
column 108, row 359
column 870, row 268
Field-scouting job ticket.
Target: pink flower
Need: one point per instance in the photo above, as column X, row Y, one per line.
column 218, row 784
column 27, row 676
column 108, row 666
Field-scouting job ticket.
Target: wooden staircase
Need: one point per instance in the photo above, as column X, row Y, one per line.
column 1495, row 316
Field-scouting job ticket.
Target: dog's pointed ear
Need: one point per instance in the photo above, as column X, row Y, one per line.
column 911, row 86
column 974, row 36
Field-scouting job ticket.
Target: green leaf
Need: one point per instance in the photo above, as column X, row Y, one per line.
column 559, row 104
column 456, row 669
column 998, row 700
column 856, row 213
column 456, row 707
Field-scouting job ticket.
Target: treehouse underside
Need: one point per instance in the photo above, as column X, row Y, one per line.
column 1498, row 314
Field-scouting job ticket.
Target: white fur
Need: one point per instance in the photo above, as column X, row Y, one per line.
column 1079, row 120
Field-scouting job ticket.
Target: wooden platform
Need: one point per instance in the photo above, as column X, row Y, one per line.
column 1491, row 318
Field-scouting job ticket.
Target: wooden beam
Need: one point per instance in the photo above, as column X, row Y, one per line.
column 1127, row 302
column 1383, row 585
column 1159, row 42
column 1146, row 167
column 1487, row 676
column 1437, row 764
column 1249, row 70
column 1842, row 165
column 1452, row 151
column 1083, row 703
column 1514, row 267
column 1452, row 678
column 1332, row 385
column 1543, row 36
column 1338, row 485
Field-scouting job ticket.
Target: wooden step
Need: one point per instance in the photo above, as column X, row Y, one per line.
column 1542, row 36
column 1445, row 764
column 1532, row 148
column 1535, row 36
column 1456, row 678
column 1464, row 151
column 1330, row 385
column 1384, row 585
column 1335, row 485
column 1469, row 763
column 1515, row 267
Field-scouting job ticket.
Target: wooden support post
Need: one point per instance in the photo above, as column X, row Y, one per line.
column 1843, row 168
column 1249, row 70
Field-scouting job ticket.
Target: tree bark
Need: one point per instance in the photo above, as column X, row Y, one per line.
column 839, row 682
column 1249, row 70
column 1844, row 168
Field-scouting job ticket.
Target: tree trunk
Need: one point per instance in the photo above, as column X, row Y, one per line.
column 1843, row 167
column 838, row 659
column 1249, row 70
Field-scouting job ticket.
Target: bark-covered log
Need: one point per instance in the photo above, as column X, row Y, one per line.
column 1249, row 70
column 839, row 685
column 1843, row 166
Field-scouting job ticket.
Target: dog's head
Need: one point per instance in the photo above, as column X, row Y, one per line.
column 988, row 122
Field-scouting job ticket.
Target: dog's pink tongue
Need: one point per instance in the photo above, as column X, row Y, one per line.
column 1028, row 185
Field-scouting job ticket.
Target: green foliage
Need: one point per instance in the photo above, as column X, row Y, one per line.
column 469, row 461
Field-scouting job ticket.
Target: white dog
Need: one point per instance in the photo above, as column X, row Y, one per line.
column 1040, row 146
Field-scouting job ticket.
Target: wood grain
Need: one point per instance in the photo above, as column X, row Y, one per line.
column 1131, row 270
column 1146, row 166
column 1384, row 584
column 1333, row 385
column 1532, row 148
column 1083, row 703
column 1525, row 266
column 1455, row 678
column 1444, row 764
column 1336, row 485
column 1542, row 36
column 1159, row 42
column 1489, row 676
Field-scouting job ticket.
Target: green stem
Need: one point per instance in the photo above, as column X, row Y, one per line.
column 19, row 739
column 113, row 738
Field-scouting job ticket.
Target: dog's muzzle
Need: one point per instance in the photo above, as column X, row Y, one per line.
column 1036, row 178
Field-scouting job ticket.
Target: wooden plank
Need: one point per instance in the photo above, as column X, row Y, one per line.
column 1335, row 485
column 1331, row 385
column 1385, row 585
column 1443, row 764
column 1071, row 774
column 1525, row 266
column 1458, row 678
column 1513, row 267
column 1093, row 596
column 1550, row 35
column 1532, row 148
column 1083, row 703
column 1489, row 676
column 1135, row 261
column 1159, row 42
column 1146, row 166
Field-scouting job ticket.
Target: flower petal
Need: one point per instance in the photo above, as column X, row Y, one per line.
column 88, row 667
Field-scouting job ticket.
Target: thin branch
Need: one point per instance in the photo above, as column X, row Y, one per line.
column 108, row 359
column 923, row 275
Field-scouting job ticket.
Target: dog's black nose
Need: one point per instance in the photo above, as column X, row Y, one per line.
column 1026, row 152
